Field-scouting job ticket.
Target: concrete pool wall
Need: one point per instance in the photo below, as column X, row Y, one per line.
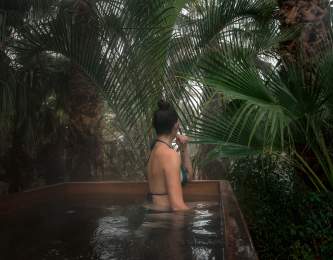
column 238, row 242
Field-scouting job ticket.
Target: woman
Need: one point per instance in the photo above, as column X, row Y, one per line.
column 165, row 165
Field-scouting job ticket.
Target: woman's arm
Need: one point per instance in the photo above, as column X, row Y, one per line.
column 182, row 141
column 171, row 170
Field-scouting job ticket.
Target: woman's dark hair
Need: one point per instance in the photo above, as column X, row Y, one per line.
column 164, row 118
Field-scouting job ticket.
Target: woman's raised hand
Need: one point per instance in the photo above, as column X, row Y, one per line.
column 182, row 140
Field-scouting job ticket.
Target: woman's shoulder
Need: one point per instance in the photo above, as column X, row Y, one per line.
column 166, row 155
column 170, row 158
column 169, row 152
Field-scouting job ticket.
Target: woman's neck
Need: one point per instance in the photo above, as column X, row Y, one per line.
column 166, row 139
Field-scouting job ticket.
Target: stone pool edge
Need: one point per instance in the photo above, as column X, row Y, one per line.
column 237, row 238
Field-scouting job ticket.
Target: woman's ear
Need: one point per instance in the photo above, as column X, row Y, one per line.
column 177, row 126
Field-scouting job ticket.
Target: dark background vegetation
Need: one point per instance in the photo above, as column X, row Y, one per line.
column 250, row 79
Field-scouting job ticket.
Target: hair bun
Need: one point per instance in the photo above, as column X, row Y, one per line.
column 163, row 105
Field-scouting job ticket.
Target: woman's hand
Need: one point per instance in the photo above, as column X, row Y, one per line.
column 182, row 140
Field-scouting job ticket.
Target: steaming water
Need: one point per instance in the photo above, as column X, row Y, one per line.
column 108, row 231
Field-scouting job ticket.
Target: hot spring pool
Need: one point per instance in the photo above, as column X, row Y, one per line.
column 107, row 230
column 105, row 220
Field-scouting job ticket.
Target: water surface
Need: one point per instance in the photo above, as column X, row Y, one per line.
column 104, row 230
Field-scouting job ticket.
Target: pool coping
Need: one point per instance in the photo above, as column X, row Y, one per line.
column 238, row 241
column 238, row 244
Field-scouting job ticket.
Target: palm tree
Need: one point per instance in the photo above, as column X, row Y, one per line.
column 28, row 83
column 144, row 51
column 271, row 112
column 313, row 21
column 83, row 103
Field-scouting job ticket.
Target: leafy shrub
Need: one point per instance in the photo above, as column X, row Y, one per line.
column 313, row 229
column 285, row 220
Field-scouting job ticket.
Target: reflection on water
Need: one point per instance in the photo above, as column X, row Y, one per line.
column 104, row 232
column 132, row 232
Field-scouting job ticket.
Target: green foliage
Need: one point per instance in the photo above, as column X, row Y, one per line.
column 277, row 108
column 285, row 220
column 313, row 232
column 135, row 52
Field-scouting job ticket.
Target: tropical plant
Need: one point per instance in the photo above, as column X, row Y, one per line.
column 272, row 109
column 133, row 52
column 32, row 96
column 285, row 220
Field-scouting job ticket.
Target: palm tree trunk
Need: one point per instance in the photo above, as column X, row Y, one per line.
column 85, row 112
column 18, row 163
column 313, row 17
column 84, row 104
column 217, row 168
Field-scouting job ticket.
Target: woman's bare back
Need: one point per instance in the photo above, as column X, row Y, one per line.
column 164, row 180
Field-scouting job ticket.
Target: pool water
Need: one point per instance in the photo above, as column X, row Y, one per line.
column 104, row 231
